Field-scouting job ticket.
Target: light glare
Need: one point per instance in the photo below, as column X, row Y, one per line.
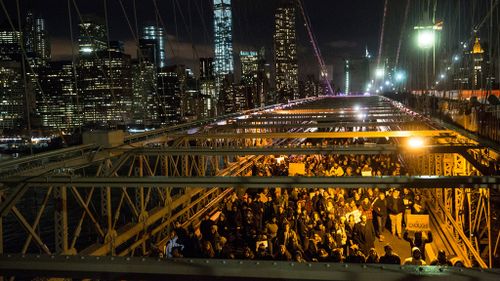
column 416, row 142
column 426, row 38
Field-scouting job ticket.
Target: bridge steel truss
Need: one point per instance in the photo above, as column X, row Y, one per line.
column 120, row 201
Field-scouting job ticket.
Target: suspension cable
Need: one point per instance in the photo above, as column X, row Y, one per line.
column 316, row 49
column 403, row 29
column 381, row 41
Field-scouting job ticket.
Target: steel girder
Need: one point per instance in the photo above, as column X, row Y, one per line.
column 320, row 124
column 130, row 268
column 327, row 135
column 463, row 213
column 300, row 150
column 260, row 182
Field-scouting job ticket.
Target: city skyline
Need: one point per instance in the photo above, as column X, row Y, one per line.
column 252, row 19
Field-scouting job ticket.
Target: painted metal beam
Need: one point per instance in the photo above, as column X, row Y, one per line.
column 337, row 149
column 321, row 124
column 130, row 268
column 260, row 182
column 327, row 135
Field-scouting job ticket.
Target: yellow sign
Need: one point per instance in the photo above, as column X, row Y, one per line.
column 418, row 223
column 296, row 169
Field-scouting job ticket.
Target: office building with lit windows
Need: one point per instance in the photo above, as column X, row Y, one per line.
column 249, row 66
column 58, row 106
column 92, row 36
column 169, row 95
column 105, row 85
column 285, row 53
column 157, row 35
column 356, row 75
column 144, row 101
column 9, row 43
column 12, row 98
column 36, row 40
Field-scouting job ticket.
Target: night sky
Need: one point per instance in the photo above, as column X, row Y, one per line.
column 343, row 27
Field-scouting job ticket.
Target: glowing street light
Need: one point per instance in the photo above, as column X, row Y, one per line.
column 379, row 73
column 456, row 58
column 415, row 142
column 400, row 76
column 426, row 38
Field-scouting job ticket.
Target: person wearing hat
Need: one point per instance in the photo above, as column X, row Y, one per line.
column 416, row 258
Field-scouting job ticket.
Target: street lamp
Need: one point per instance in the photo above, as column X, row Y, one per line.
column 400, row 76
column 426, row 38
column 415, row 142
column 379, row 73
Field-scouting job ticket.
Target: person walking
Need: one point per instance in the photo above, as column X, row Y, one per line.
column 380, row 209
column 396, row 208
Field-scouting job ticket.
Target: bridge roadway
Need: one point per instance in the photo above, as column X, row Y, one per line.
column 126, row 196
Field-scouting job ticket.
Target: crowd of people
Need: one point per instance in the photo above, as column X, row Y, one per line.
column 334, row 165
column 325, row 225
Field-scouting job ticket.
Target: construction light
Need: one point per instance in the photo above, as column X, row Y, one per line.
column 426, row 38
column 415, row 142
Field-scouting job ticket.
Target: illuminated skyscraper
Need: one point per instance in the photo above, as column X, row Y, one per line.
column 249, row 66
column 92, row 37
column 105, row 86
column 36, row 39
column 58, row 107
column 9, row 43
column 285, row 48
column 157, row 34
column 224, row 63
column 207, row 86
column 206, row 68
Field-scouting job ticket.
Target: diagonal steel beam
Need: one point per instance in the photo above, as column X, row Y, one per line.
column 82, row 204
column 24, row 223
column 12, row 199
column 37, row 219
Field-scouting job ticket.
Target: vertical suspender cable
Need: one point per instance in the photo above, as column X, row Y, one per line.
column 75, row 77
column 25, row 81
